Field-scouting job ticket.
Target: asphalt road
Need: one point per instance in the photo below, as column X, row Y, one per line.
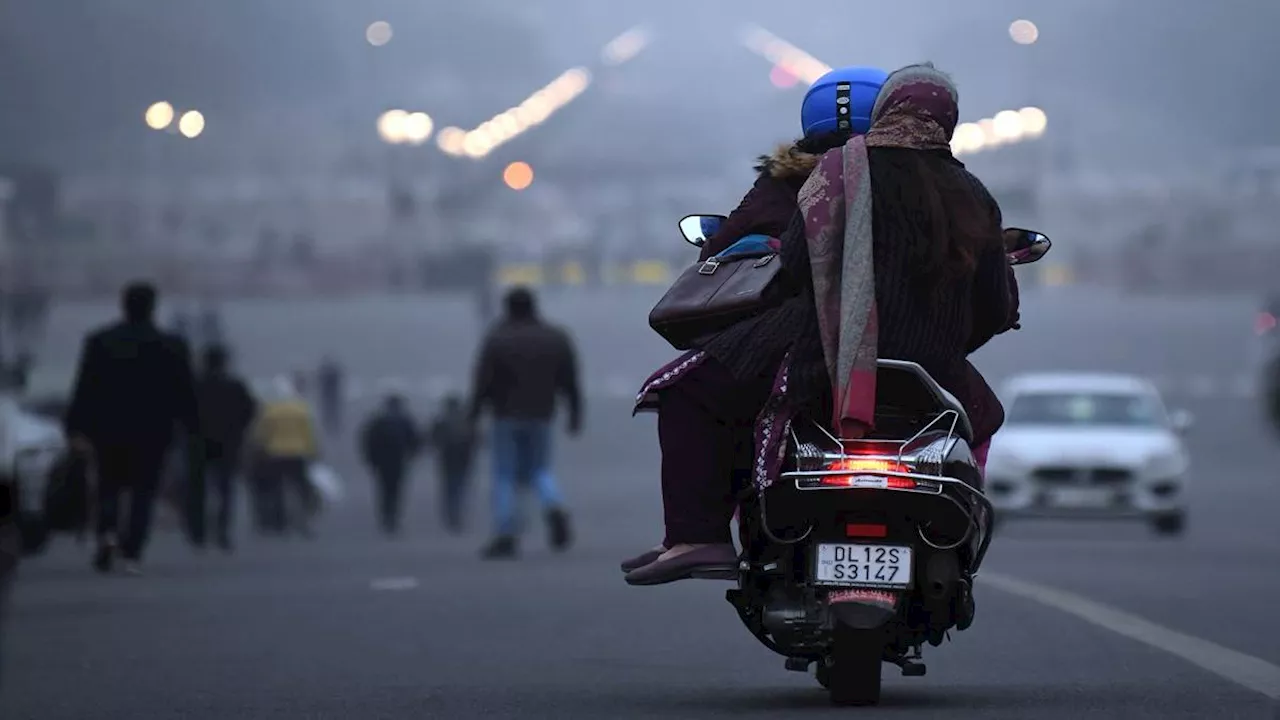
column 353, row 625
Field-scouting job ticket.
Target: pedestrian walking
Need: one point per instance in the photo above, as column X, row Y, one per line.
column 453, row 438
column 388, row 443
column 134, row 385
column 286, row 443
column 524, row 365
column 227, row 410
column 331, row 379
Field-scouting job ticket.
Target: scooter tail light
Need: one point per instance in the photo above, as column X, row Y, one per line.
column 866, row 530
column 867, row 465
column 881, row 482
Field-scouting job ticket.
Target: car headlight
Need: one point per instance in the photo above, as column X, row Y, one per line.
column 1167, row 465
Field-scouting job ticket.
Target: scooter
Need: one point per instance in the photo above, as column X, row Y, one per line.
column 866, row 549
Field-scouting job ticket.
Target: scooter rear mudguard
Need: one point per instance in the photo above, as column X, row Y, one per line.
column 864, row 608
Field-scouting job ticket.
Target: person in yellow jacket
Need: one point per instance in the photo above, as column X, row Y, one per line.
column 286, row 441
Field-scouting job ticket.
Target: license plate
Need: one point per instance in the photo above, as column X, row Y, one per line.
column 863, row 565
column 1081, row 497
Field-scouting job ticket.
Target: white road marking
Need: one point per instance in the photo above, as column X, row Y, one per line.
column 1251, row 672
column 394, row 583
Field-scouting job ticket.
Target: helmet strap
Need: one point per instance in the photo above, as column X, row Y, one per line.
column 844, row 124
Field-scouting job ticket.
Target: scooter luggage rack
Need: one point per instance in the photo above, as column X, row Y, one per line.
column 810, row 451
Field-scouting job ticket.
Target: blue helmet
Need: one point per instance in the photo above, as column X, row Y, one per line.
column 818, row 113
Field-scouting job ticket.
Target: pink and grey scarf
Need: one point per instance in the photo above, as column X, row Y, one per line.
column 916, row 109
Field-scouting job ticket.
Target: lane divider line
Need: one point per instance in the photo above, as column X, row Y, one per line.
column 393, row 584
column 1246, row 670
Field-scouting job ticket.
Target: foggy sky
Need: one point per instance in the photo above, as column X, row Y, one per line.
column 1132, row 79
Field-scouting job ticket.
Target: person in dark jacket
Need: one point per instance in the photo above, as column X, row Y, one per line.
column 524, row 365
column 330, row 379
column 931, row 235
column 133, row 386
column 453, row 437
column 227, row 410
column 684, row 388
column 388, row 442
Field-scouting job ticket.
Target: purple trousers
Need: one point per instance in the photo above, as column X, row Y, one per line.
column 705, row 428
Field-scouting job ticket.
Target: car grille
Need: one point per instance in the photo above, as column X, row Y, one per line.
column 1083, row 476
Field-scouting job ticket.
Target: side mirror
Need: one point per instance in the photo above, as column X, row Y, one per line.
column 697, row 228
column 1181, row 420
column 1025, row 246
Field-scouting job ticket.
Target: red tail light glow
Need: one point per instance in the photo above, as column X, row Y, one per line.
column 867, row 465
column 1264, row 323
column 865, row 530
column 880, row 482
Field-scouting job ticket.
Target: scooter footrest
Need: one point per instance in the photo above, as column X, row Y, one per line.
column 726, row 572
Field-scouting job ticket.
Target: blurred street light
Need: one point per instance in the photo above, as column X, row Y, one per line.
column 1006, row 128
column 625, row 46
column 782, row 78
column 781, row 53
column 535, row 110
column 191, row 124
column 1034, row 120
column 1024, row 32
column 379, row 33
column 392, row 126
column 159, row 115
column 518, row 176
column 452, row 141
column 417, row 128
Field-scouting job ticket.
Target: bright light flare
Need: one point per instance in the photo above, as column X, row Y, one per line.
column 379, row 33
column 452, row 141
column 535, row 110
column 518, row 175
column 1024, row 32
column 417, row 128
column 159, row 115
column 191, row 124
column 1006, row 128
column 392, row 126
column 1034, row 121
column 804, row 66
column 625, row 46
column 782, row 78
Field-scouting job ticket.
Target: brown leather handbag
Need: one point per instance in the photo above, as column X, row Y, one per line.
column 714, row 294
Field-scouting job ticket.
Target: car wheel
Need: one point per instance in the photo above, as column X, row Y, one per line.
column 1170, row 524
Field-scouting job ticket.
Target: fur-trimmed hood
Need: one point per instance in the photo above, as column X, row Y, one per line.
column 788, row 162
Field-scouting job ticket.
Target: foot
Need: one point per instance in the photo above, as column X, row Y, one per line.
column 224, row 544
column 558, row 527
column 644, row 558
column 132, row 567
column 501, row 548
column 682, row 562
column 105, row 557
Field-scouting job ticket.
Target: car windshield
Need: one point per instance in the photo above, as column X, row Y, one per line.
column 1066, row 408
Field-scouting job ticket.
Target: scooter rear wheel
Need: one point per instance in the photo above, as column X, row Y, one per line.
column 854, row 667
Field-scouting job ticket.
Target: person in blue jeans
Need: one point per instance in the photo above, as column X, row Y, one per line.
column 525, row 365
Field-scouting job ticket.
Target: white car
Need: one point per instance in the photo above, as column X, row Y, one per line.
column 1089, row 445
column 29, row 446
